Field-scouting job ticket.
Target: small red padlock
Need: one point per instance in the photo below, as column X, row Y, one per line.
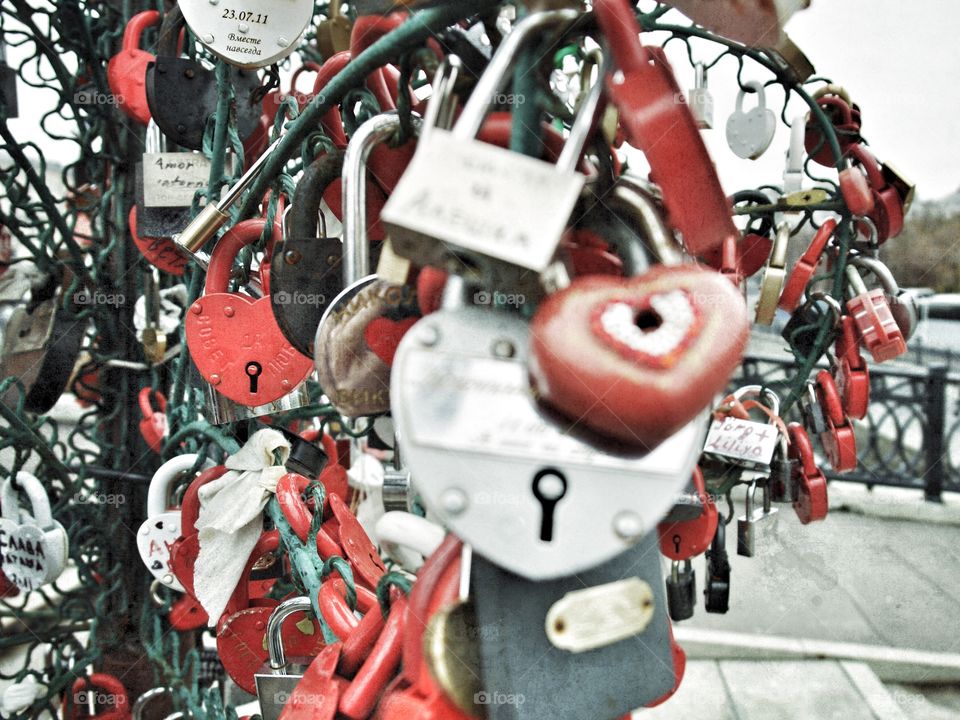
column 362, row 554
column 337, row 612
column 186, row 613
column 159, row 252
column 806, row 266
column 643, row 88
column 105, row 691
column 856, row 191
column 876, row 326
column 127, row 70
column 154, row 426
column 812, row 502
column 688, row 538
column 851, row 373
column 845, row 118
column 234, row 339
column 887, row 213
column 290, row 487
column 318, row 692
column 838, row 440
column 636, row 359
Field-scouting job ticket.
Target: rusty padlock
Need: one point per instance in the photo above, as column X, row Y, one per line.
column 233, row 338
column 127, row 70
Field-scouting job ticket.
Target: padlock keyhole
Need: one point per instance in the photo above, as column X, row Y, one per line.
column 549, row 487
column 648, row 320
column 254, row 371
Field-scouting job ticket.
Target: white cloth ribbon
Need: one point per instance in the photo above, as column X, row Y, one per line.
column 231, row 518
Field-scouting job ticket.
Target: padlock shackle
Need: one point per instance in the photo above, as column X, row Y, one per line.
column 755, row 86
column 159, row 490
column 111, row 686
column 781, row 243
column 846, row 112
column 819, row 243
column 356, row 240
column 760, row 392
column 144, row 399
column 495, row 75
column 303, row 217
column 656, row 233
column 39, row 502
column 190, row 504
column 275, row 651
column 831, row 89
column 442, row 105
column 169, row 37
column 134, row 30
column 880, row 271
column 225, row 252
column 409, row 531
column 141, row 702
column 870, row 163
column 796, row 156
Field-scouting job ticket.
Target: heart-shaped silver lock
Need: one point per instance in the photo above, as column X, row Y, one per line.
column 162, row 526
column 33, row 548
column 750, row 132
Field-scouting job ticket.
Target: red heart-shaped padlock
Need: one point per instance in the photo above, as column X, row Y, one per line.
column 127, row 70
column 636, row 359
column 234, row 339
column 383, row 336
column 360, row 551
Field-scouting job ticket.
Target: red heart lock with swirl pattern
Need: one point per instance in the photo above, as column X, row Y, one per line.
column 234, row 339
column 636, row 359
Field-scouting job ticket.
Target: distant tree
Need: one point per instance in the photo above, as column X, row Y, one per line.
column 927, row 253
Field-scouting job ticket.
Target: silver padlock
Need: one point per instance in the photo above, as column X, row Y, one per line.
column 757, row 522
column 499, row 471
column 481, row 210
column 279, row 677
column 796, row 155
column 701, row 99
column 33, row 546
column 745, row 443
column 750, row 132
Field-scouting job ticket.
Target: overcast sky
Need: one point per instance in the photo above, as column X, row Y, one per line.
column 899, row 60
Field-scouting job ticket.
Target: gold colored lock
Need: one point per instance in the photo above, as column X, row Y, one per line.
column 774, row 277
column 333, row 34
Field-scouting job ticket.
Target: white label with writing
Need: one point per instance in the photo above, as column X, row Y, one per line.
column 171, row 179
column 486, row 199
column 743, row 440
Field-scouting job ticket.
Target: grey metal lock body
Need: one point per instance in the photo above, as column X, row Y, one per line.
column 757, row 522
column 41, row 344
column 745, row 443
column 783, row 485
column 750, row 132
column 504, row 474
column 475, row 208
column 701, row 99
column 681, row 590
column 903, row 303
column 156, row 222
column 803, row 326
column 548, row 625
column 279, row 677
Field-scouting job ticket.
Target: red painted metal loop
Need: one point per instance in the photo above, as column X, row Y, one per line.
column 154, row 426
column 362, row 554
column 801, row 449
column 335, row 610
column 806, row 266
column 830, row 398
column 127, row 70
column 361, row 697
column 290, row 487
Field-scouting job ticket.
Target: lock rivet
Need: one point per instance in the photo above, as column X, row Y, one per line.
column 454, row 501
column 285, row 384
column 214, row 379
column 208, row 38
column 292, row 257
column 228, row 311
column 196, row 308
column 429, row 335
column 282, row 41
column 243, row 27
column 628, row 525
column 504, row 349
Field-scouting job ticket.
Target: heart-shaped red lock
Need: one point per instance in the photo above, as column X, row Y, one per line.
column 636, row 359
column 234, row 339
column 356, row 544
column 688, row 538
column 159, row 252
column 127, row 70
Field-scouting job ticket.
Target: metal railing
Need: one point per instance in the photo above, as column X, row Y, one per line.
column 911, row 435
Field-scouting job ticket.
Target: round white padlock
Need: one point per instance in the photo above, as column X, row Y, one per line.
column 162, row 527
column 33, row 547
column 248, row 34
column 750, row 132
column 407, row 538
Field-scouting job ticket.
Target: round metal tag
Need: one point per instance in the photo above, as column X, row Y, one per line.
column 248, row 33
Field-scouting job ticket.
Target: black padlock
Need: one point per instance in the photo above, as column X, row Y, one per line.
column 681, row 591
column 8, row 86
column 717, row 590
column 783, row 486
column 803, row 326
column 182, row 93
